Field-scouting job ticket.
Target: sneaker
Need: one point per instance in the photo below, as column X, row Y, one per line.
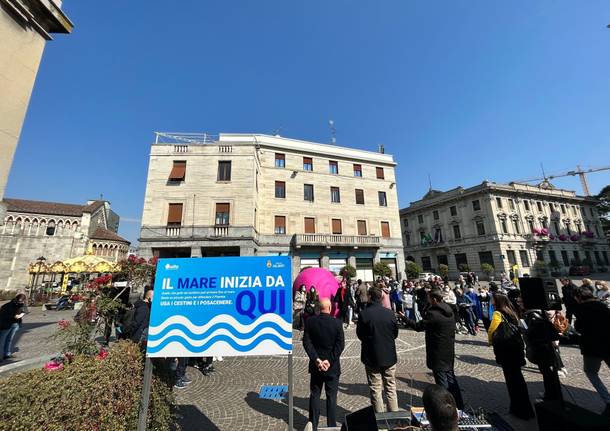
column 308, row 427
column 186, row 380
column 180, row 385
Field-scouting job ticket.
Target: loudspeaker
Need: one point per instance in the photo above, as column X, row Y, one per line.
column 552, row 417
column 539, row 294
column 361, row 420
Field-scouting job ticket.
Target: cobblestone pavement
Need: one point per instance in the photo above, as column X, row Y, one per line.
column 228, row 398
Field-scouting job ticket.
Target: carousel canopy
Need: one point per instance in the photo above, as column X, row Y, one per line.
column 79, row 264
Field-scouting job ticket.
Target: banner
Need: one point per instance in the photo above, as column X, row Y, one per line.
column 221, row 306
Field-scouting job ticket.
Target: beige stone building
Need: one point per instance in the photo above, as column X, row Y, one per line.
column 25, row 26
column 496, row 224
column 246, row 194
column 55, row 231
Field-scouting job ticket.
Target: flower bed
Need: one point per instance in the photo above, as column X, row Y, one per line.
column 88, row 393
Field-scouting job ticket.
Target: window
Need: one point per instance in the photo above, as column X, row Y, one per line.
column 527, row 205
column 335, row 195
column 280, row 189
column 426, row 263
column 486, row 257
column 333, row 167
column 222, row 214
column 456, row 232
column 420, row 218
column 307, row 164
column 280, row 160
column 310, row 225
column 539, row 206
column 512, row 258
column 361, row 227
column 499, row 202
column 224, row 171
column 530, row 223
column 476, row 205
column 597, row 231
column 438, row 235
column 461, row 261
column 556, row 226
column 545, row 223
column 480, row 228
column 360, row 196
column 453, row 210
column 552, row 207
column 553, row 257
column 178, row 171
column 405, row 222
column 407, row 238
column 516, row 227
column 50, row 231
column 358, row 170
column 563, row 209
column 442, row 259
column 422, row 236
column 573, row 210
column 336, row 226
column 174, row 215
column 504, row 226
column 382, row 199
column 380, row 174
column 568, row 228
column 511, row 204
column 280, row 225
column 435, row 215
column 576, row 257
column 525, row 260
column 385, row 229
column 308, row 192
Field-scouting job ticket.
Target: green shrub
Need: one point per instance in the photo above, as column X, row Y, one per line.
column 412, row 269
column 382, row 269
column 488, row 269
column 348, row 272
column 88, row 394
column 443, row 270
column 463, row 267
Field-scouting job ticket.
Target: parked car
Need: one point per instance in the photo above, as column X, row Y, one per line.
column 426, row 276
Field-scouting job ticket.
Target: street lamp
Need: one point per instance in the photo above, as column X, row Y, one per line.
column 40, row 261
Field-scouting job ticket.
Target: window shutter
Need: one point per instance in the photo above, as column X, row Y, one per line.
column 359, row 196
column 178, row 171
column 280, row 221
column 385, row 229
column 361, row 227
column 222, row 208
column 336, row 226
column 380, row 175
column 310, row 225
column 174, row 215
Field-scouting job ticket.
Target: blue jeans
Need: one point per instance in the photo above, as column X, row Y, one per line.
column 447, row 380
column 6, row 340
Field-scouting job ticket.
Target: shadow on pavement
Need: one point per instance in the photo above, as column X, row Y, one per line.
column 191, row 418
column 27, row 327
column 474, row 360
column 274, row 409
column 472, row 342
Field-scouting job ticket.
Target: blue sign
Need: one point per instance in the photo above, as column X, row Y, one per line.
column 224, row 306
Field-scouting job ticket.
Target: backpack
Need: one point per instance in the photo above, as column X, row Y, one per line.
column 507, row 341
column 127, row 321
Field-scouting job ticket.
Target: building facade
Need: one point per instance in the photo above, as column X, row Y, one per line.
column 243, row 195
column 25, row 26
column 503, row 225
column 55, row 231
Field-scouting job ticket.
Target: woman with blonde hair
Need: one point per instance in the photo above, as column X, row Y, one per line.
column 603, row 293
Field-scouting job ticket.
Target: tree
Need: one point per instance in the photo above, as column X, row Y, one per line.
column 382, row 269
column 443, row 270
column 488, row 269
column 348, row 272
column 412, row 269
column 603, row 207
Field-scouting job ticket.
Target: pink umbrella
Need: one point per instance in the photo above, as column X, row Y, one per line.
column 323, row 280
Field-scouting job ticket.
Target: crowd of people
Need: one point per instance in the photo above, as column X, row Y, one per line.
column 442, row 310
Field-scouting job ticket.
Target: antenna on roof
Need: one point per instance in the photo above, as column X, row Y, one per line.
column 429, row 182
column 543, row 173
column 277, row 131
column 101, row 196
column 333, row 132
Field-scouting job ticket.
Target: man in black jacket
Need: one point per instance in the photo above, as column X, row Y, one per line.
column 592, row 322
column 377, row 329
column 439, row 324
column 141, row 318
column 11, row 315
column 323, row 341
column 567, row 292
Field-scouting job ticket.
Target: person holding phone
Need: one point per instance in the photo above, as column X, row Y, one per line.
column 11, row 315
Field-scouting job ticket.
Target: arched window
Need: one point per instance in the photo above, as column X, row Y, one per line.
column 50, row 231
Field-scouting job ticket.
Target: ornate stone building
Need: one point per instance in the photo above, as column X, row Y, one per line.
column 55, row 231
column 324, row 205
column 25, row 26
column 503, row 225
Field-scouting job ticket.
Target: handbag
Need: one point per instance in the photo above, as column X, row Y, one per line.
column 507, row 339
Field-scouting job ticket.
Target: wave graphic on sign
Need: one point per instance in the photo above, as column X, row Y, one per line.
column 267, row 329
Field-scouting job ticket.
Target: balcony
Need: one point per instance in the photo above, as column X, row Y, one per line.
column 330, row 240
column 185, row 232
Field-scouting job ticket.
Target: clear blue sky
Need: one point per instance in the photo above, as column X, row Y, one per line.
column 463, row 90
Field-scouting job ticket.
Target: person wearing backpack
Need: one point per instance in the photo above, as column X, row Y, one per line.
column 509, row 349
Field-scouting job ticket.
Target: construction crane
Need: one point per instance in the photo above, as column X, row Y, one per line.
column 580, row 172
